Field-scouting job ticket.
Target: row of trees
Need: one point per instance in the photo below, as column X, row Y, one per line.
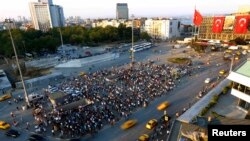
column 38, row 41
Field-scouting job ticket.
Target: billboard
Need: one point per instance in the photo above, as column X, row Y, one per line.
column 229, row 22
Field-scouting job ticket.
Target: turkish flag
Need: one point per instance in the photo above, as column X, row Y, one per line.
column 197, row 18
column 218, row 24
column 240, row 25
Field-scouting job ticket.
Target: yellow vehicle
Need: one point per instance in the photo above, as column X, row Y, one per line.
column 163, row 105
column 237, row 57
column 4, row 125
column 222, row 72
column 151, row 124
column 128, row 124
column 144, row 137
column 82, row 73
column 4, row 97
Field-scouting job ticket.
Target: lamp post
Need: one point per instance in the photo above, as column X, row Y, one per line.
column 133, row 55
column 232, row 63
column 18, row 66
column 61, row 36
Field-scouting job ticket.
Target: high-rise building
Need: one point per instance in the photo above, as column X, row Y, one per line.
column 45, row 15
column 121, row 11
column 46, row 1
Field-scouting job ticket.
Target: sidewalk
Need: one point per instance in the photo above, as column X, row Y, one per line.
column 191, row 113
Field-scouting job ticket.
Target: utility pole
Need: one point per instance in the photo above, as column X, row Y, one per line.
column 133, row 55
column 61, row 36
column 18, row 66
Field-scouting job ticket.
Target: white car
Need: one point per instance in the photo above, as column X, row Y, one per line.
column 207, row 80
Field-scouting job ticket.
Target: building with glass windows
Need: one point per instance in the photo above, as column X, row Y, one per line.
column 45, row 15
column 162, row 29
column 240, row 77
column 121, row 11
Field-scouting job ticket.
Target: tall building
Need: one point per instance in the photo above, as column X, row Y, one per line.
column 45, row 15
column 46, row 1
column 121, row 11
column 162, row 28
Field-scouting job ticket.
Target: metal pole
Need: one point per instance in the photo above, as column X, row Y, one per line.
column 61, row 36
column 232, row 62
column 20, row 71
column 133, row 39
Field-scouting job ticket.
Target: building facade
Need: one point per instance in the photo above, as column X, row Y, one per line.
column 241, row 84
column 45, row 15
column 205, row 30
column 122, row 11
column 162, row 28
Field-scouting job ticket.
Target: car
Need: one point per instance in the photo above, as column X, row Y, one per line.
column 128, row 124
column 12, row 133
column 151, row 124
column 237, row 58
column 144, row 137
column 207, row 80
column 163, row 105
column 4, row 97
column 35, row 137
column 222, row 72
column 4, row 125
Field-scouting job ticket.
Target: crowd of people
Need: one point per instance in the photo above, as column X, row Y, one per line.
column 115, row 93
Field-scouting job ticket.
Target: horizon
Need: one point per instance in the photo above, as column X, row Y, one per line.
column 148, row 9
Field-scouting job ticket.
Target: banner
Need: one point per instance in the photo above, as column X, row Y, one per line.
column 197, row 18
column 241, row 24
column 218, row 24
column 229, row 22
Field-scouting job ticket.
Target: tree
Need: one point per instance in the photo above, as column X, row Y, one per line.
column 144, row 35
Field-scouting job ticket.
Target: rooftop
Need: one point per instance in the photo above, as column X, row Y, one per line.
column 241, row 74
column 244, row 69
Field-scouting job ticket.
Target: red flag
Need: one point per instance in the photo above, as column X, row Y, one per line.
column 218, row 24
column 197, row 18
column 240, row 25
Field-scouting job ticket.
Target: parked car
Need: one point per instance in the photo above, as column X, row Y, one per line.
column 5, row 96
column 12, row 133
column 4, row 125
column 144, row 137
column 151, row 124
column 35, row 137
column 128, row 124
column 207, row 80
column 222, row 72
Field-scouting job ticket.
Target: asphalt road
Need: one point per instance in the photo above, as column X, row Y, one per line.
column 179, row 98
column 183, row 95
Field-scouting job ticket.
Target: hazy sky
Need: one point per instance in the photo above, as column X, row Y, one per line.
column 107, row 8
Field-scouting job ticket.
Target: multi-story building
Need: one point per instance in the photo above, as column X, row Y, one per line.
column 240, row 77
column 121, row 11
column 45, row 15
column 205, row 30
column 162, row 28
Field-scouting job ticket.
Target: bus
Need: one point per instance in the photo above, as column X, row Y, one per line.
column 141, row 47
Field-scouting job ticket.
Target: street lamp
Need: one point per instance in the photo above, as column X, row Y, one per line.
column 17, row 62
column 61, row 36
column 132, row 49
column 232, row 63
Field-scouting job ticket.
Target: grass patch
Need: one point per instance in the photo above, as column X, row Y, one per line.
column 180, row 60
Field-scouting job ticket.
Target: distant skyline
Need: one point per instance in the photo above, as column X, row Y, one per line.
column 140, row 8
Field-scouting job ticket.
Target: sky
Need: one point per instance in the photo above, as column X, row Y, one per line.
column 139, row 8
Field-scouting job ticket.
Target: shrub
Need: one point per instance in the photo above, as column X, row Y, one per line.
column 215, row 99
column 225, row 90
column 204, row 111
